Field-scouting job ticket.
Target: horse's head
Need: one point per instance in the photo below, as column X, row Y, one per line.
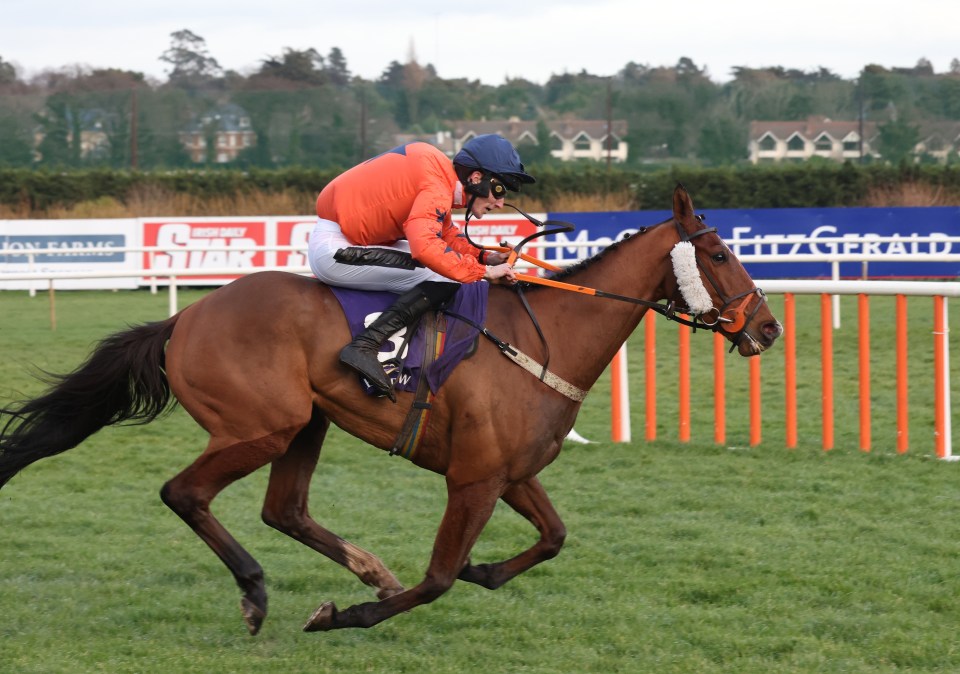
column 713, row 286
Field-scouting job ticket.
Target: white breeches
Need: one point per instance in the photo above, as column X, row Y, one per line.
column 326, row 239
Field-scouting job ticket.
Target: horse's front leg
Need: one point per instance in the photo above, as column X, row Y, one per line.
column 468, row 509
column 530, row 500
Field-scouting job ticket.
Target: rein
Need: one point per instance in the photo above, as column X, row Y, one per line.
column 668, row 310
column 731, row 317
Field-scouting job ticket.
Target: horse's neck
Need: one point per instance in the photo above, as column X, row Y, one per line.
column 586, row 331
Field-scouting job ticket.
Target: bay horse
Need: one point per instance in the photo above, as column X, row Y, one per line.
column 255, row 363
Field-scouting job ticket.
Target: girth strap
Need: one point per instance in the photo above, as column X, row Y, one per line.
column 541, row 372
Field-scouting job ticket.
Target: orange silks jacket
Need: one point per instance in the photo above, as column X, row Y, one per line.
column 406, row 193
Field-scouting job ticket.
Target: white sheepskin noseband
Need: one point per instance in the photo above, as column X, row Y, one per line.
column 688, row 277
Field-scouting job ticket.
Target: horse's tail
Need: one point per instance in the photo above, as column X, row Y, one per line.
column 122, row 380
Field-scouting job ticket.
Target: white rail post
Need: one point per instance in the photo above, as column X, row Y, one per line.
column 947, row 425
column 835, row 275
column 172, row 307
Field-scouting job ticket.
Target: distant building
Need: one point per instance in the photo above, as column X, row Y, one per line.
column 95, row 126
column 94, row 141
column 939, row 141
column 227, row 127
column 442, row 140
column 773, row 142
column 570, row 139
column 798, row 141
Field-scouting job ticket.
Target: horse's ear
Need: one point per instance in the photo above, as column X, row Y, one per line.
column 682, row 204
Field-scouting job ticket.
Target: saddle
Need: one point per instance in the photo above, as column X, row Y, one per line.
column 422, row 361
column 457, row 338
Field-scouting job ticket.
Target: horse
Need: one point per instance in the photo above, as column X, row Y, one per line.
column 255, row 363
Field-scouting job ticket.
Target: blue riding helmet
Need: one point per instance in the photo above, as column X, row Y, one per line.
column 495, row 155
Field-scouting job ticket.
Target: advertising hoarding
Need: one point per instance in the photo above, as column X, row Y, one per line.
column 20, row 239
column 217, row 243
column 858, row 228
column 222, row 243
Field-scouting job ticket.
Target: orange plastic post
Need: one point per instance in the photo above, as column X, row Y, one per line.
column 790, row 367
column 650, row 368
column 684, row 349
column 719, row 390
column 826, row 370
column 903, row 429
column 863, row 303
column 754, row 401
column 939, row 377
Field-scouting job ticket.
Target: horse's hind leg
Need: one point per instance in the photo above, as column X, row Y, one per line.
column 189, row 495
column 285, row 509
column 530, row 500
column 469, row 506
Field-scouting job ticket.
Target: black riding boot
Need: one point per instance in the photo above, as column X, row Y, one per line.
column 361, row 353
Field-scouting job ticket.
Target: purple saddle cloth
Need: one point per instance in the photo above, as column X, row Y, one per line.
column 361, row 307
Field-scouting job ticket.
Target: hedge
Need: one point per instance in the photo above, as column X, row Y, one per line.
column 812, row 185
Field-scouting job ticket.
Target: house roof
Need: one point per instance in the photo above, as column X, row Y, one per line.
column 948, row 131
column 811, row 128
column 513, row 129
column 225, row 117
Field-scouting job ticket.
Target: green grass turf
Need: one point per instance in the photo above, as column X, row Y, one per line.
column 681, row 557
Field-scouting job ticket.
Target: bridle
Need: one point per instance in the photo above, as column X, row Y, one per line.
column 732, row 315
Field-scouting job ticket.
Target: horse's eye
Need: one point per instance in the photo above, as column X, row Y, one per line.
column 719, row 257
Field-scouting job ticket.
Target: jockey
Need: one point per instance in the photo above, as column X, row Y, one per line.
column 386, row 224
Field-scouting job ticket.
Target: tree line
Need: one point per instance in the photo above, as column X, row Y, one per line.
column 307, row 109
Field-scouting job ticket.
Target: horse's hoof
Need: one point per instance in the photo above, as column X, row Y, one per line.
column 252, row 615
column 322, row 618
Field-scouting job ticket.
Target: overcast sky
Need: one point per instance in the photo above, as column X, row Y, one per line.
column 489, row 41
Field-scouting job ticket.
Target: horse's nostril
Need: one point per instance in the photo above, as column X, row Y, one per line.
column 772, row 330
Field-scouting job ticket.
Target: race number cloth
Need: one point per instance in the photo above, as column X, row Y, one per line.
column 361, row 307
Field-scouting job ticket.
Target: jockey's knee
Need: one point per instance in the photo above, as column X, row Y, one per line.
column 438, row 292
